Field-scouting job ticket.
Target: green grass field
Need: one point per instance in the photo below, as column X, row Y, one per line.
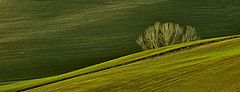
column 126, row 60
column 208, row 68
column 42, row 38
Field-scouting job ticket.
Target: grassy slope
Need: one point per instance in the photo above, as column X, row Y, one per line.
column 106, row 65
column 208, row 68
column 41, row 38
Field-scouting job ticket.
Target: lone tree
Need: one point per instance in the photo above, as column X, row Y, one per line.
column 164, row 34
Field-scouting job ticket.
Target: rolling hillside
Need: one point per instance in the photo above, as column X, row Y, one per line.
column 208, row 68
column 222, row 45
column 41, row 38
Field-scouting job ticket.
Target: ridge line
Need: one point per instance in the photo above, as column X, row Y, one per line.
column 126, row 63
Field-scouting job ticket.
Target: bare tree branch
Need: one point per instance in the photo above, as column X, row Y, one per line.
column 164, row 34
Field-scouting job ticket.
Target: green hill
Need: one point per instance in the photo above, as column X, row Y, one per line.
column 41, row 38
column 208, row 68
column 214, row 50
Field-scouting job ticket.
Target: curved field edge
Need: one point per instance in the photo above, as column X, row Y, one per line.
column 208, row 68
column 28, row 84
